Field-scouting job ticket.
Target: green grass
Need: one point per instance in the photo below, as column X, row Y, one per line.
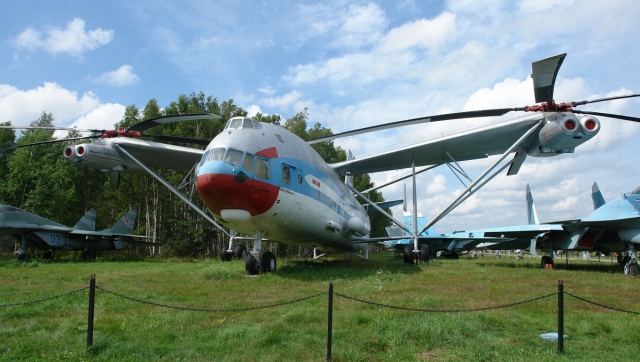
column 130, row 331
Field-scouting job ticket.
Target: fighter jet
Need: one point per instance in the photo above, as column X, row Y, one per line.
column 611, row 227
column 35, row 232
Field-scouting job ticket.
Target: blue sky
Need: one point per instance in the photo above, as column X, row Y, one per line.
column 352, row 64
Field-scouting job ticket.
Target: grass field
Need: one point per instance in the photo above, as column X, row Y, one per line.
column 126, row 330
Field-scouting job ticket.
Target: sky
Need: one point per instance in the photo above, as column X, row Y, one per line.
column 351, row 64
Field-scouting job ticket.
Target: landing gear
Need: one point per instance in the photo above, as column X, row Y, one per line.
column 240, row 252
column 546, row 260
column 88, row 256
column 408, row 254
column 225, row 255
column 268, row 262
column 424, row 253
column 251, row 265
column 630, row 263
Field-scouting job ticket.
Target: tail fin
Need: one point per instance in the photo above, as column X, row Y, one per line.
column 125, row 224
column 596, row 195
column 87, row 222
column 422, row 222
column 532, row 215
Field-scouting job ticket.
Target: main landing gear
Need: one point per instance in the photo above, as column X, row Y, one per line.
column 629, row 263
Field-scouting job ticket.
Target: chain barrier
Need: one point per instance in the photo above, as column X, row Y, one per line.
column 44, row 299
column 444, row 310
column 210, row 309
column 601, row 305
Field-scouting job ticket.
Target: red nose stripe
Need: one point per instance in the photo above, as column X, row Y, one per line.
column 222, row 191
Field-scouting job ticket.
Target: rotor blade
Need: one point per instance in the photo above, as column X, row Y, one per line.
column 619, row 116
column 51, row 128
column 544, row 74
column 149, row 123
column 46, row 142
column 604, row 99
column 178, row 139
column 408, row 122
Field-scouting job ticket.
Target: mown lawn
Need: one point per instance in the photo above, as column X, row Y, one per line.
column 127, row 330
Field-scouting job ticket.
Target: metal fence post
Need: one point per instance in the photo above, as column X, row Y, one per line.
column 330, row 321
column 560, row 317
column 92, row 298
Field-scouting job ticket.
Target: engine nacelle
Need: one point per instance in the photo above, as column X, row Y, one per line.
column 101, row 156
column 562, row 133
column 357, row 226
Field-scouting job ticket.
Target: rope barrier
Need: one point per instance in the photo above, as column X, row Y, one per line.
column 444, row 310
column 44, row 299
column 211, row 309
column 601, row 305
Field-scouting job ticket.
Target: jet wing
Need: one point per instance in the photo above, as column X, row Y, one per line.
column 472, row 144
column 518, row 232
column 156, row 154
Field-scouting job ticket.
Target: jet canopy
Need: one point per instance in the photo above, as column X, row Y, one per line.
column 4, row 208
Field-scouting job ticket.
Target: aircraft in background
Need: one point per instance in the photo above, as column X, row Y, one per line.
column 611, row 227
column 35, row 232
column 262, row 180
column 431, row 243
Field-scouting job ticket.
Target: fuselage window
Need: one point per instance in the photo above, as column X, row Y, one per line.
column 216, row 154
column 247, row 123
column 262, row 169
column 279, row 138
column 248, row 162
column 286, row 175
column 300, row 179
column 318, row 195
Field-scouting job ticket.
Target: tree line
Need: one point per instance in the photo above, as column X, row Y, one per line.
column 39, row 180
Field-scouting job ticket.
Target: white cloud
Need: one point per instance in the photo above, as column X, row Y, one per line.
column 438, row 185
column 120, row 77
column 21, row 107
column 253, row 110
column 103, row 116
column 74, row 40
column 420, row 33
column 283, row 102
column 538, row 5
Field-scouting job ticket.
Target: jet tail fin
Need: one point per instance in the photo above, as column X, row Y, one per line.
column 87, row 222
column 125, row 224
column 532, row 215
column 596, row 195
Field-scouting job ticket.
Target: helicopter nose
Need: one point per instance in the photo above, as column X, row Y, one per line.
column 226, row 187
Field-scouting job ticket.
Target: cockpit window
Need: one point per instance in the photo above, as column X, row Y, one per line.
column 248, row 162
column 636, row 191
column 235, row 123
column 216, row 154
column 227, row 125
column 234, row 157
column 247, row 123
column 262, row 169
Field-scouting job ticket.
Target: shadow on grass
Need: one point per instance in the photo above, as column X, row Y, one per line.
column 347, row 268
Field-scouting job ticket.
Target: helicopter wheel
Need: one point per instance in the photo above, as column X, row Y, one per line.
column 251, row 265
column 408, row 255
